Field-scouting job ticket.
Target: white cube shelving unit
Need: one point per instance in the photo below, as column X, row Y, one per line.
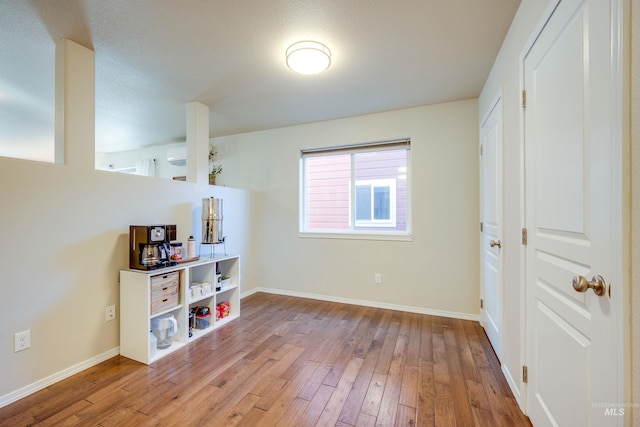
column 135, row 304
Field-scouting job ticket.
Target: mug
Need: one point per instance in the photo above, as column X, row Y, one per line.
column 196, row 291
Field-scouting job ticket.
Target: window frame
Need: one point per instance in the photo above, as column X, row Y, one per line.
column 380, row 232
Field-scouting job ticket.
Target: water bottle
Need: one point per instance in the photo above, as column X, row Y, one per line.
column 191, row 248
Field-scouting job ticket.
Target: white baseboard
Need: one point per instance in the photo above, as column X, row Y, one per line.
column 58, row 376
column 375, row 304
column 249, row 292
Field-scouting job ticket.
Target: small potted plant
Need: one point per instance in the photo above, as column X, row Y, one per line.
column 214, row 169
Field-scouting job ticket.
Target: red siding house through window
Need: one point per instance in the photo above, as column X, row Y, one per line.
column 380, row 199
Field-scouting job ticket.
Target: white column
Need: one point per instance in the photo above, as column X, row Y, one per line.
column 74, row 105
column 197, row 143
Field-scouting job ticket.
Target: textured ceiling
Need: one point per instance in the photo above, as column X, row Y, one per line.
column 154, row 56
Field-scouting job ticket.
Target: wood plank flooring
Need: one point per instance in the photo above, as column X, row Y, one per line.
column 295, row 362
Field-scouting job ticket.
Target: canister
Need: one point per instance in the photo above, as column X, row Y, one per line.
column 176, row 251
column 212, row 220
column 203, row 321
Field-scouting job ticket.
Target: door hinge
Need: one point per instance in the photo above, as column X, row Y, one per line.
column 525, row 374
column 524, row 98
column 481, row 303
column 481, row 149
column 481, row 227
column 524, row 236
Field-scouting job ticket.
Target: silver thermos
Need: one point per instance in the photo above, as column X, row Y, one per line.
column 212, row 221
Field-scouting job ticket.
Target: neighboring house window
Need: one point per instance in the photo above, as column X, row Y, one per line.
column 375, row 203
column 356, row 190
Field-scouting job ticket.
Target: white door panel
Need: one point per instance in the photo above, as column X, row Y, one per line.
column 559, row 125
column 492, row 296
column 568, row 164
column 491, row 217
column 553, row 330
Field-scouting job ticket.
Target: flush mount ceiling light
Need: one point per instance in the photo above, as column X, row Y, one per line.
column 308, row 57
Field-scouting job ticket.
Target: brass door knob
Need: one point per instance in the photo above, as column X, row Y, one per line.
column 599, row 286
column 493, row 243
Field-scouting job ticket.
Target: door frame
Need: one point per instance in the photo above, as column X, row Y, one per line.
column 619, row 278
column 495, row 101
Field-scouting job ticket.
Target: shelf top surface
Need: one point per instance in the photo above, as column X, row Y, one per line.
column 200, row 261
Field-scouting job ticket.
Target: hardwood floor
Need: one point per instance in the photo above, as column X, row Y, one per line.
column 295, row 362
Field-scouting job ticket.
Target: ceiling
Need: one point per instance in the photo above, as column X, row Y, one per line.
column 155, row 56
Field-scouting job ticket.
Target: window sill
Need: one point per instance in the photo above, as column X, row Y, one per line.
column 408, row 237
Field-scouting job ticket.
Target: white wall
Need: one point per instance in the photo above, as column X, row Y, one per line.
column 438, row 271
column 127, row 159
column 64, row 240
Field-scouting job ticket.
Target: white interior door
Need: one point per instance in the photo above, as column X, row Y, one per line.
column 491, row 216
column 573, row 352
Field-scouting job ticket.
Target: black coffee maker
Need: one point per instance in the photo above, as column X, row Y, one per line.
column 149, row 246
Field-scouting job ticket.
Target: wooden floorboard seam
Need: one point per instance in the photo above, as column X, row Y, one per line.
column 291, row 361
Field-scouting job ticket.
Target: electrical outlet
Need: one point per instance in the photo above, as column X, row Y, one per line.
column 110, row 313
column 22, row 341
column 377, row 278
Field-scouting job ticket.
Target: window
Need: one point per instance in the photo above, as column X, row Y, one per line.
column 375, row 203
column 357, row 190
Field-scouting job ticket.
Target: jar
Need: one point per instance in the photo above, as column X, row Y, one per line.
column 176, row 251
